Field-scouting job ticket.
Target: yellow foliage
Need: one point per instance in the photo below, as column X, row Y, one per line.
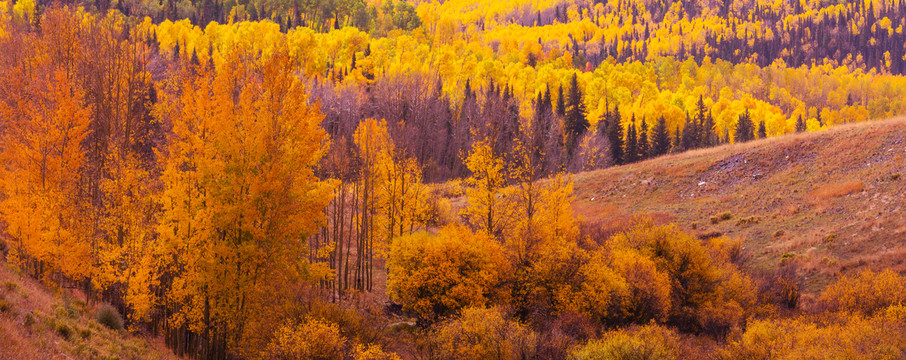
column 239, row 194
column 866, row 292
column 437, row 275
column 373, row 352
column 481, row 333
column 311, row 339
column 652, row 342
column 852, row 337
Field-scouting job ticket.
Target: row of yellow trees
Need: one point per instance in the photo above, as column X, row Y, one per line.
column 778, row 94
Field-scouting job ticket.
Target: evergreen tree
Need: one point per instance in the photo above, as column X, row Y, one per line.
column 615, row 136
column 709, row 138
column 744, row 128
column 575, row 124
column 689, row 139
column 631, row 151
column 800, row 125
column 660, row 138
column 818, row 117
column 643, row 145
column 561, row 103
column 762, row 131
column 677, row 140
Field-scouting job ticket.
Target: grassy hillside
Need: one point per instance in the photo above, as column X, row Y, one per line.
column 830, row 201
column 39, row 323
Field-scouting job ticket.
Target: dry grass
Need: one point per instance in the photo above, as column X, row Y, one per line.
column 824, row 193
column 41, row 323
column 785, row 195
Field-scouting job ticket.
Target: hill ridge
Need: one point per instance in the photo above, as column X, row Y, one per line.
column 828, row 200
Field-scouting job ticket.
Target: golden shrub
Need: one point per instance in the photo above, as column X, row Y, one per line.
column 865, row 292
column 651, row 342
column 310, row 339
column 437, row 275
column 484, row 334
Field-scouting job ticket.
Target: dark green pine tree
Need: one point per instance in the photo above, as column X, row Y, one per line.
column 631, row 149
column 561, row 104
column 762, row 131
column 615, row 136
column 818, row 117
column 709, row 138
column 744, row 128
column 702, row 133
column 800, row 125
column 689, row 139
column 677, row 140
column 575, row 124
column 660, row 138
column 644, row 147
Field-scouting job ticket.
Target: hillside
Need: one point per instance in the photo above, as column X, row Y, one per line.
column 831, row 201
column 38, row 323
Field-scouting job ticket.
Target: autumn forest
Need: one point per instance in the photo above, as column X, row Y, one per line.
column 357, row 179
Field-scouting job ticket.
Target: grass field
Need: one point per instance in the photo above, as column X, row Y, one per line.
column 831, row 201
column 41, row 323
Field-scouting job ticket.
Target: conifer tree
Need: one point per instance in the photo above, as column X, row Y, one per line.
column 615, row 136
column 800, row 125
column 744, row 128
column 631, row 150
column 561, row 103
column 709, row 138
column 689, row 139
column 643, row 145
column 575, row 123
column 660, row 138
column 762, row 131
column 677, row 140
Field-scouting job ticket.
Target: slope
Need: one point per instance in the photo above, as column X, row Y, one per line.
column 38, row 323
column 829, row 201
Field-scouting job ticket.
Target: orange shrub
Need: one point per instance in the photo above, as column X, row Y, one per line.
column 437, row 275
column 484, row 334
column 866, row 292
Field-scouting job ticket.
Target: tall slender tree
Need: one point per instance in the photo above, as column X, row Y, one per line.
column 744, row 128
column 660, row 138
column 631, row 150
column 643, row 145
column 800, row 125
column 615, row 136
column 575, row 124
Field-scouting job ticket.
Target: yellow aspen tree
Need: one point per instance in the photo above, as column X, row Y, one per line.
column 489, row 209
column 43, row 158
column 240, row 197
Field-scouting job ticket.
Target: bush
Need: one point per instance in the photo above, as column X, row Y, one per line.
column 311, row 339
column 484, row 334
column 64, row 331
column 10, row 286
column 437, row 275
column 707, row 291
column 866, row 292
column 373, row 352
column 108, row 316
column 4, row 306
column 722, row 217
column 851, row 337
column 646, row 343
